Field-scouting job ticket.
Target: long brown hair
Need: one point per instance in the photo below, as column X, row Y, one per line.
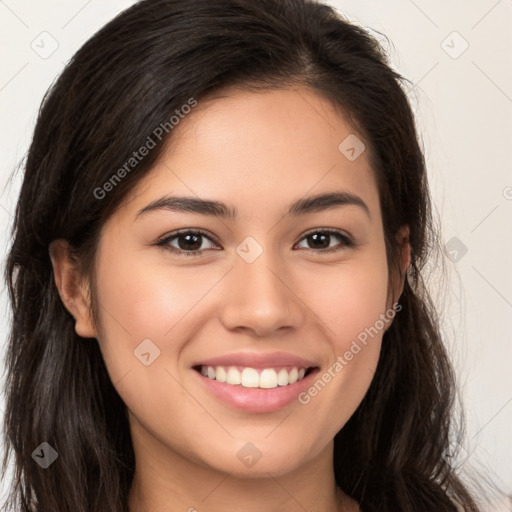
column 128, row 79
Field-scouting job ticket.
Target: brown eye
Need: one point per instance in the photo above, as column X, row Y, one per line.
column 320, row 240
column 189, row 243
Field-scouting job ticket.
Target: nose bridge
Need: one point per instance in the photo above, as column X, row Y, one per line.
column 259, row 298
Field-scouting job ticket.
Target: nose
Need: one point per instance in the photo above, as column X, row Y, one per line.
column 260, row 297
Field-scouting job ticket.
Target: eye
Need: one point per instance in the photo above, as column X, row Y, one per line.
column 320, row 239
column 189, row 243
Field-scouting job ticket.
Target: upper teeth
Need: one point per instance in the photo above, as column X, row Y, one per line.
column 251, row 378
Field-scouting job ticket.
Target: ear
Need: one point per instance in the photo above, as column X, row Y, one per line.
column 402, row 237
column 72, row 290
column 403, row 240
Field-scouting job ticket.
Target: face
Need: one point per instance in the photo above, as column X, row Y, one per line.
column 276, row 296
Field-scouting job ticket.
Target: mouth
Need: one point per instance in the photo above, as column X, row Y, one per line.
column 256, row 383
column 248, row 377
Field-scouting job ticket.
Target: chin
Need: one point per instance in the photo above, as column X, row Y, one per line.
column 256, row 460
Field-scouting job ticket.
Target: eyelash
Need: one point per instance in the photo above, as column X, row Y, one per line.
column 347, row 241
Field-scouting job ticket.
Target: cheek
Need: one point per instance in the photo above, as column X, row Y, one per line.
column 147, row 309
column 349, row 300
column 141, row 299
column 139, row 302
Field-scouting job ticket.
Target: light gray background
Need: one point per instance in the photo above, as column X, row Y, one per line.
column 463, row 102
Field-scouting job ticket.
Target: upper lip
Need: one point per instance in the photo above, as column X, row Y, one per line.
column 256, row 360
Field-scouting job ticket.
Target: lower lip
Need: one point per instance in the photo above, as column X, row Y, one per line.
column 256, row 399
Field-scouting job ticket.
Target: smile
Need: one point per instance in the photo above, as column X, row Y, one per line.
column 255, row 382
column 265, row 378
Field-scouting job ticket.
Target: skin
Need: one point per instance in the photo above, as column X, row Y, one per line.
column 258, row 152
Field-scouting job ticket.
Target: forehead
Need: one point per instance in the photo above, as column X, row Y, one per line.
column 259, row 149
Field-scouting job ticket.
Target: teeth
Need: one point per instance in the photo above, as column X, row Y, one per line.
column 220, row 374
column 250, row 378
column 267, row 378
column 282, row 378
column 234, row 377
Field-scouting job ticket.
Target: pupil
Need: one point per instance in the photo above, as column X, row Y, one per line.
column 194, row 245
column 315, row 237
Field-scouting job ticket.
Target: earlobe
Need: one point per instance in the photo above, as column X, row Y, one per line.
column 405, row 258
column 74, row 295
column 403, row 239
column 405, row 248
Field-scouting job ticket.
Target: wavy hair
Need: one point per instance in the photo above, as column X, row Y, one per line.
column 130, row 77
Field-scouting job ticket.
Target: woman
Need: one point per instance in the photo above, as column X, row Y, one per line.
column 216, row 275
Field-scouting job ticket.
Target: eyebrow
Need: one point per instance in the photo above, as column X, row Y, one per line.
column 211, row 208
